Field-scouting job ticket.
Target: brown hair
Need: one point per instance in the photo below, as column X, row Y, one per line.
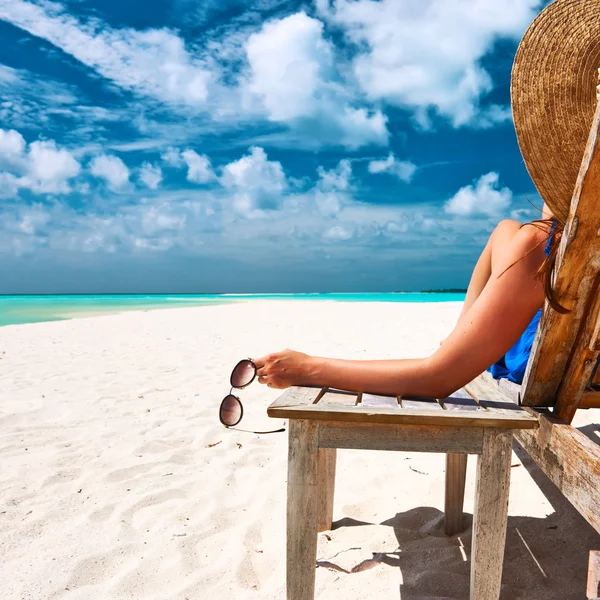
column 546, row 270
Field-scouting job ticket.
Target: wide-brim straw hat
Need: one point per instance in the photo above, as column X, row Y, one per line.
column 553, row 96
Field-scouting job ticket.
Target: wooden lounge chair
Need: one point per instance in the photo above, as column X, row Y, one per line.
column 481, row 419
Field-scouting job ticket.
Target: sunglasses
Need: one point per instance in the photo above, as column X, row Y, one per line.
column 231, row 410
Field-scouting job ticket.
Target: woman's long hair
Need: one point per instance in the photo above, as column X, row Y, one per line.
column 545, row 273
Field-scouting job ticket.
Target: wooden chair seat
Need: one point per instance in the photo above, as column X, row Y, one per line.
column 323, row 420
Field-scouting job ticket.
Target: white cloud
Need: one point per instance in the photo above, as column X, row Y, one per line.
column 403, row 170
column 50, row 167
column 293, row 75
column 338, row 233
column 154, row 62
column 199, row 167
column 150, row 175
column 112, row 169
column 41, row 167
column 483, row 198
column 257, row 183
column 426, row 55
column 12, row 143
column 333, row 189
column 172, row 156
column 9, row 185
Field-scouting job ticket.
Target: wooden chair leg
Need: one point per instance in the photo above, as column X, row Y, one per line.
column 326, row 483
column 593, row 582
column 456, row 473
column 302, row 492
column 490, row 514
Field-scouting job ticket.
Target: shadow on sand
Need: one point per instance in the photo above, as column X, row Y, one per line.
column 544, row 559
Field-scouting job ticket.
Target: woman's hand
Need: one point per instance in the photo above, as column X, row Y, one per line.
column 283, row 369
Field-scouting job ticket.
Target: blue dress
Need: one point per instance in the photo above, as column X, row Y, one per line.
column 513, row 364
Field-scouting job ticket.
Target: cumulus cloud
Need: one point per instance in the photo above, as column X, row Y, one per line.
column 12, row 143
column 426, row 56
column 293, row 74
column 112, row 169
column 153, row 62
column 257, row 183
column 403, row 170
column 199, row 167
column 150, row 175
column 41, row 167
column 333, row 188
column 484, row 197
column 172, row 156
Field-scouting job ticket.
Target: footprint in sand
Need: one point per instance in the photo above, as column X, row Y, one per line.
column 102, row 514
column 128, row 473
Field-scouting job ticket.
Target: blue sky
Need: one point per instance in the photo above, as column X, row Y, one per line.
column 273, row 145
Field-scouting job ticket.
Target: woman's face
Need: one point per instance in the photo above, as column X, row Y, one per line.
column 546, row 212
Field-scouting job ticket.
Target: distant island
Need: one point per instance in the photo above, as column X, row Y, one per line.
column 449, row 291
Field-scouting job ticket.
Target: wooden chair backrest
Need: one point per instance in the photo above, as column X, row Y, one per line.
column 566, row 348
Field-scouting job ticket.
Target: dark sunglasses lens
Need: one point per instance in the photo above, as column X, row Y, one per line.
column 243, row 374
column 230, row 411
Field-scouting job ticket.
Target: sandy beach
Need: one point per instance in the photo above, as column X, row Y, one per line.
column 117, row 480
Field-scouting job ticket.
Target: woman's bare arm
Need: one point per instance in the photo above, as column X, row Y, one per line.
column 494, row 322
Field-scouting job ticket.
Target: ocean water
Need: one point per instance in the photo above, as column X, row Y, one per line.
column 34, row 309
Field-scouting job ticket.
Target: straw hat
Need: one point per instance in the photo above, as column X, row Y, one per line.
column 553, row 96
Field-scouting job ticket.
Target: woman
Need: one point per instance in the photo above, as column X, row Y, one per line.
column 553, row 104
column 504, row 295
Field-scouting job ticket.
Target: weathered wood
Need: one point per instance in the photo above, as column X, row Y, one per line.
column 326, row 487
column 500, row 417
column 577, row 267
column 374, row 400
column 596, row 376
column 302, row 511
column 298, row 395
column 590, row 399
column 406, row 438
column 583, row 358
column 593, row 582
column 490, row 515
column 414, row 403
column 334, row 397
column 456, row 472
column 460, row 400
column 570, row 460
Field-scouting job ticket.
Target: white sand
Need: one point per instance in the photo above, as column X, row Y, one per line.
column 111, row 485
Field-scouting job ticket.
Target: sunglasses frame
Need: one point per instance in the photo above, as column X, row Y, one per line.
column 234, row 369
column 237, row 387
column 241, row 410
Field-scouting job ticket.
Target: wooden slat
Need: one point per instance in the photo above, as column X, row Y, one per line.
column 570, row 460
column 404, row 438
column 582, row 361
column 590, row 399
column 596, row 376
column 577, row 269
column 302, row 511
column 326, row 487
column 490, row 515
column 492, row 397
column 298, row 395
column 340, row 398
column 499, row 418
column 414, row 403
column 456, row 472
column 460, row 400
column 593, row 582
column 373, row 401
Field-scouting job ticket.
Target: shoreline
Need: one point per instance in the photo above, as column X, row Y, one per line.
column 92, row 312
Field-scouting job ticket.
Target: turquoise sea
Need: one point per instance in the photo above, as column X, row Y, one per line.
column 34, row 309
